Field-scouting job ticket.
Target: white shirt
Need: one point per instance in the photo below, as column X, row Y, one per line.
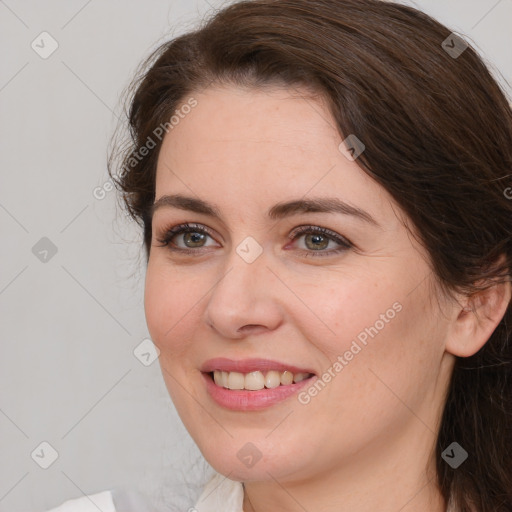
column 102, row 501
column 220, row 493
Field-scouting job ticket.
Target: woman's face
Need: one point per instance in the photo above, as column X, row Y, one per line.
column 361, row 317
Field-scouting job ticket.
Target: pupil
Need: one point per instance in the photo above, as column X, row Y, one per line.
column 316, row 239
column 195, row 237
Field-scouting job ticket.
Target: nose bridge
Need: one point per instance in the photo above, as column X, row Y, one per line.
column 245, row 293
column 246, row 275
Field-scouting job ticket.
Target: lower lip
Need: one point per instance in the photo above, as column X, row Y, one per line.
column 243, row 400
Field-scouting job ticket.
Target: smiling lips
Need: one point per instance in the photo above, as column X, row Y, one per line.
column 257, row 380
column 253, row 374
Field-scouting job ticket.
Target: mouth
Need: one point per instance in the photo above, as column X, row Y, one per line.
column 253, row 384
column 256, row 380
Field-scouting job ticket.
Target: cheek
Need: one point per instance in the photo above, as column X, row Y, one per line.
column 377, row 325
column 399, row 350
column 169, row 308
column 354, row 309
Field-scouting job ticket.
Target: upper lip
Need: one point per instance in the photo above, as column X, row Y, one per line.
column 250, row 365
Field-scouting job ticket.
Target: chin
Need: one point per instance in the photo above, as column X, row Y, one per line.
column 249, row 463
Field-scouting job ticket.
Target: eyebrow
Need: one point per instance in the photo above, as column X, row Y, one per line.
column 278, row 211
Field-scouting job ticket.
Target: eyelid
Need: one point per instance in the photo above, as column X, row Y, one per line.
column 311, row 228
column 167, row 234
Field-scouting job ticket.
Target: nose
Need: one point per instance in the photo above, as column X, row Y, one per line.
column 246, row 299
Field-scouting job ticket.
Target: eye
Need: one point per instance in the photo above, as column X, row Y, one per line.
column 195, row 235
column 316, row 239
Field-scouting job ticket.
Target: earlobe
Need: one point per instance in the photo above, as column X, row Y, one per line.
column 476, row 318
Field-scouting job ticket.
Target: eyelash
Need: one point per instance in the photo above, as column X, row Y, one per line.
column 169, row 234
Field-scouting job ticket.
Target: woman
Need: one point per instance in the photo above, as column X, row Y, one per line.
column 324, row 191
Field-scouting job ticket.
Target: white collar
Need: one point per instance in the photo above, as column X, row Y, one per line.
column 220, row 493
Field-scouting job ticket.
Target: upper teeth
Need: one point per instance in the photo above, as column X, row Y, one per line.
column 256, row 380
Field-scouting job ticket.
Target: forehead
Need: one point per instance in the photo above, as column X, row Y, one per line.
column 270, row 122
column 262, row 146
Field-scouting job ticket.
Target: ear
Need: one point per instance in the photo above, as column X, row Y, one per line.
column 475, row 319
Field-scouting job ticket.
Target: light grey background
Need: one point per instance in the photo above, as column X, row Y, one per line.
column 69, row 326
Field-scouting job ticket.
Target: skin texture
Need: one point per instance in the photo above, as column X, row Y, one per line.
column 365, row 442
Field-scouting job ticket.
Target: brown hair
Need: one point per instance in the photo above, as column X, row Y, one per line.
column 438, row 135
